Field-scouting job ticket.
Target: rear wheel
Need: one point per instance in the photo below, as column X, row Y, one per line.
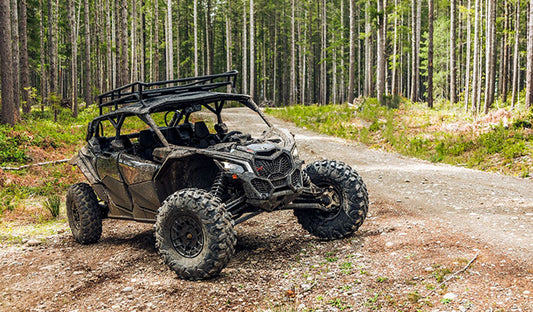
column 84, row 213
column 194, row 234
column 344, row 196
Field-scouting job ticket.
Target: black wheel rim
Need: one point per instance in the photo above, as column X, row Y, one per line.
column 336, row 198
column 187, row 236
column 75, row 216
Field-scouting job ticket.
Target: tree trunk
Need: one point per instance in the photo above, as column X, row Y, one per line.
column 244, row 52
column 275, row 73
column 415, row 68
column 323, row 56
column 293, row 57
column 252, row 50
column 155, row 44
column 430, row 53
column 52, row 44
column 529, row 66
column 516, row 69
column 369, row 50
column 503, row 71
column 169, row 45
column 43, row 72
column 453, row 69
column 351, row 79
column 133, row 43
column 87, row 69
column 143, row 42
column 341, row 53
column 195, row 17
column 394, row 82
column 303, row 59
column 73, row 58
column 9, row 114
column 100, row 31
column 124, row 49
column 15, row 54
column 209, row 38
column 468, row 47
column 177, row 74
column 334, row 72
column 381, row 60
column 229, row 42
column 475, row 75
column 359, row 54
column 115, row 40
column 490, row 55
column 106, row 36
column 24, row 66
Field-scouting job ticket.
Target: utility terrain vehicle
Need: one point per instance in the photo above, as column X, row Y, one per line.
column 152, row 157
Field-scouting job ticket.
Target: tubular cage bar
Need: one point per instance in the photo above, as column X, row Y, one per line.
column 139, row 91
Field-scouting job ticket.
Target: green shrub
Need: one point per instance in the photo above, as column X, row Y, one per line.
column 53, row 205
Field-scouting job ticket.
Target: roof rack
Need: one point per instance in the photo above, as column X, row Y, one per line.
column 139, row 91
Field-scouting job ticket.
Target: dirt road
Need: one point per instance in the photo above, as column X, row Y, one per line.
column 426, row 223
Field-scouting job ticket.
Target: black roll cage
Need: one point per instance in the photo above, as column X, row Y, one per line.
column 139, row 91
column 185, row 94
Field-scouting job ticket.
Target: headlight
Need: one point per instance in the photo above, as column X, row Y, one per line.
column 295, row 152
column 231, row 167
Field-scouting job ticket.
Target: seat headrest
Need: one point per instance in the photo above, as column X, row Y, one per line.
column 221, row 128
column 201, row 130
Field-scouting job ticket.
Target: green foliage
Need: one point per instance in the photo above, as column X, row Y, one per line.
column 39, row 130
column 413, row 296
column 346, row 267
column 338, row 303
column 415, row 134
column 440, row 273
column 11, row 146
column 53, row 205
column 381, row 279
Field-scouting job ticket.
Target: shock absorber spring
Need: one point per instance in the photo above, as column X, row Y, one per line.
column 306, row 179
column 219, row 185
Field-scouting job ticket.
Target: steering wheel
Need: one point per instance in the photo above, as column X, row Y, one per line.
column 172, row 120
column 229, row 135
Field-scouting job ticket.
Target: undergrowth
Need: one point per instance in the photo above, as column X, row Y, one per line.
column 444, row 134
column 38, row 138
column 39, row 130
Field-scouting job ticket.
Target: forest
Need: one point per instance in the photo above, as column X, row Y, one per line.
column 470, row 52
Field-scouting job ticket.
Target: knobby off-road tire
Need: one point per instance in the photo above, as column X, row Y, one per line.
column 84, row 214
column 195, row 234
column 350, row 200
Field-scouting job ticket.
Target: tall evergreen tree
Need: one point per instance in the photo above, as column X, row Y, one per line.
column 9, row 112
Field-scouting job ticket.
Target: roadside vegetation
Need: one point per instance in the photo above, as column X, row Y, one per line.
column 35, row 194
column 501, row 141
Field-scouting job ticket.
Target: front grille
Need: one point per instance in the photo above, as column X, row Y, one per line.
column 274, row 169
column 296, row 178
column 278, row 183
column 261, row 186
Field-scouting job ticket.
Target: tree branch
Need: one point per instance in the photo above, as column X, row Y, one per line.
column 452, row 276
column 53, row 162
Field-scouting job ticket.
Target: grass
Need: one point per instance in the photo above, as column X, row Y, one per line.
column 445, row 134
column 53, row 205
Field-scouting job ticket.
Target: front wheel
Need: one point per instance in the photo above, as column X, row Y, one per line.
column 194, row 234
column 347, row 203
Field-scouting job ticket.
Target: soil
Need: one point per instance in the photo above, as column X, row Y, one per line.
column 437, row 238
